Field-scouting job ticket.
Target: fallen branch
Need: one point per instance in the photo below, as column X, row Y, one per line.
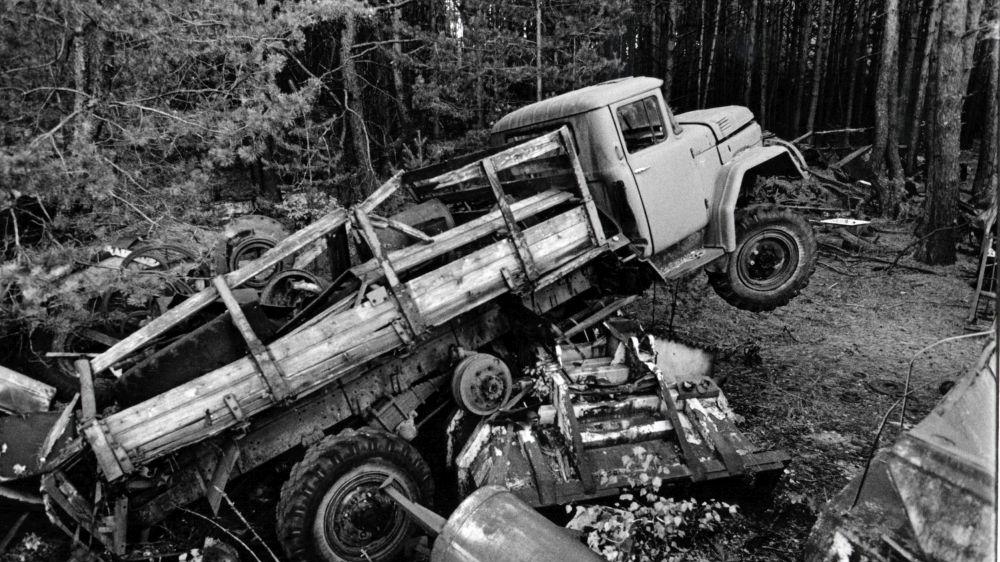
column 247, row 523
column 840, row 163
column 228, row 533
column 857, row 241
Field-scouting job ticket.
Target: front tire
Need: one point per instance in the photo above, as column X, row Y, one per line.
column 774, row 258
column 331, row 508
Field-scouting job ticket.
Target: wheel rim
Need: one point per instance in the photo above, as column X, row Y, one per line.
column 767, row 260
column 248, row 251
column 356, row 520
column 180, row 261
column 483, row 384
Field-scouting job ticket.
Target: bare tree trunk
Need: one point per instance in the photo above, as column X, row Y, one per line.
column 909, row 57
column 701, row 51
column 397, row 73
column 538, row 50
column 762, row 117
column 818, row 66
column 885, row 147
column 972, row 28
column 985, row 186
column 859, row 27
column 941, row 210
column 673, row 13
column 355, row 103
column 917, row 114
column 800, row 75
column 711, row 53
column 751, row 36
column 83, row 39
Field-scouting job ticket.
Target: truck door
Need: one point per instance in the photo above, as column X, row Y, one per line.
column 665, row 170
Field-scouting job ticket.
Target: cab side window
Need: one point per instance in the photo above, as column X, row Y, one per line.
column 641, row 123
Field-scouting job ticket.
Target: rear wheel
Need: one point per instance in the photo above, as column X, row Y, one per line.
column 774, row 257
column 332, row 508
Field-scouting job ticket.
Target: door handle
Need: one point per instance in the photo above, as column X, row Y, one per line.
column 640, row 170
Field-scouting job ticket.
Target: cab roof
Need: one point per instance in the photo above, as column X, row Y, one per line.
column 576, row 102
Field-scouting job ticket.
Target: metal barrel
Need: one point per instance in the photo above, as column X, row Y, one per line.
column 492, row 525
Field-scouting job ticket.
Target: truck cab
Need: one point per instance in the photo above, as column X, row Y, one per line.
column 672, row 183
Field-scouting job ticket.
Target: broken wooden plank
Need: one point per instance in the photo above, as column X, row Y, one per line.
column 223, row 469
column 545, row 481
column 378, row 196
column 599, row 316
column 20, row 394
column 88, row 403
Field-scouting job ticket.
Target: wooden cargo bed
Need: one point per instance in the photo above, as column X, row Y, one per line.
column 516, row 246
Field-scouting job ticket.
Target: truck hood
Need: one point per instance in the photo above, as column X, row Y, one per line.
column 724, row 121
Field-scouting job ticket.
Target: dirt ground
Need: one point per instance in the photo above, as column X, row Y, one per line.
column 814, row 378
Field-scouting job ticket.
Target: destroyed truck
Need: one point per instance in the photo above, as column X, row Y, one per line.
column 493, row 290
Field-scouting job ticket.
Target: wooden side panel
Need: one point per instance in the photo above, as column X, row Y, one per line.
column 196, row 302
column 318, row 355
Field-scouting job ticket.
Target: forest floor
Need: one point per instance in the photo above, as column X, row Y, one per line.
column 816, row 377
column 813, row 378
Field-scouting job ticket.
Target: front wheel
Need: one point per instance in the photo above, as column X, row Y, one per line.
column 332, row 508
column 774, row 257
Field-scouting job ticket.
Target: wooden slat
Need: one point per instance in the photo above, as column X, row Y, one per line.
column 99, row 444
column 384, row 222
column 581, row 180
column 513, row 230
column 381, row 194
column 73, row 504
column 691, row 459
column 459, row 236
column 599, row 316
column 399, row 291
column 293, row 353
column 535, row 148
column 478, row 277
column 88, row 403
column 150, row 442
column 545, row 481
column 261, row 357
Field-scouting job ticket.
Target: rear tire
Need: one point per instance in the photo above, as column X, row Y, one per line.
column 331, row 509
column 774, row 258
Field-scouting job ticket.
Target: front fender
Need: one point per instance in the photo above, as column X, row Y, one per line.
column 777, row 159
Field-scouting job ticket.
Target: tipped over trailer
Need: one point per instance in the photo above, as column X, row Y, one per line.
column 532, row 242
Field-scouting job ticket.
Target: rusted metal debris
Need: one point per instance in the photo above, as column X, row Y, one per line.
column 620, row 410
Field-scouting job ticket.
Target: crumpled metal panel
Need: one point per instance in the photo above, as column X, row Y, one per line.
column 931, row 496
